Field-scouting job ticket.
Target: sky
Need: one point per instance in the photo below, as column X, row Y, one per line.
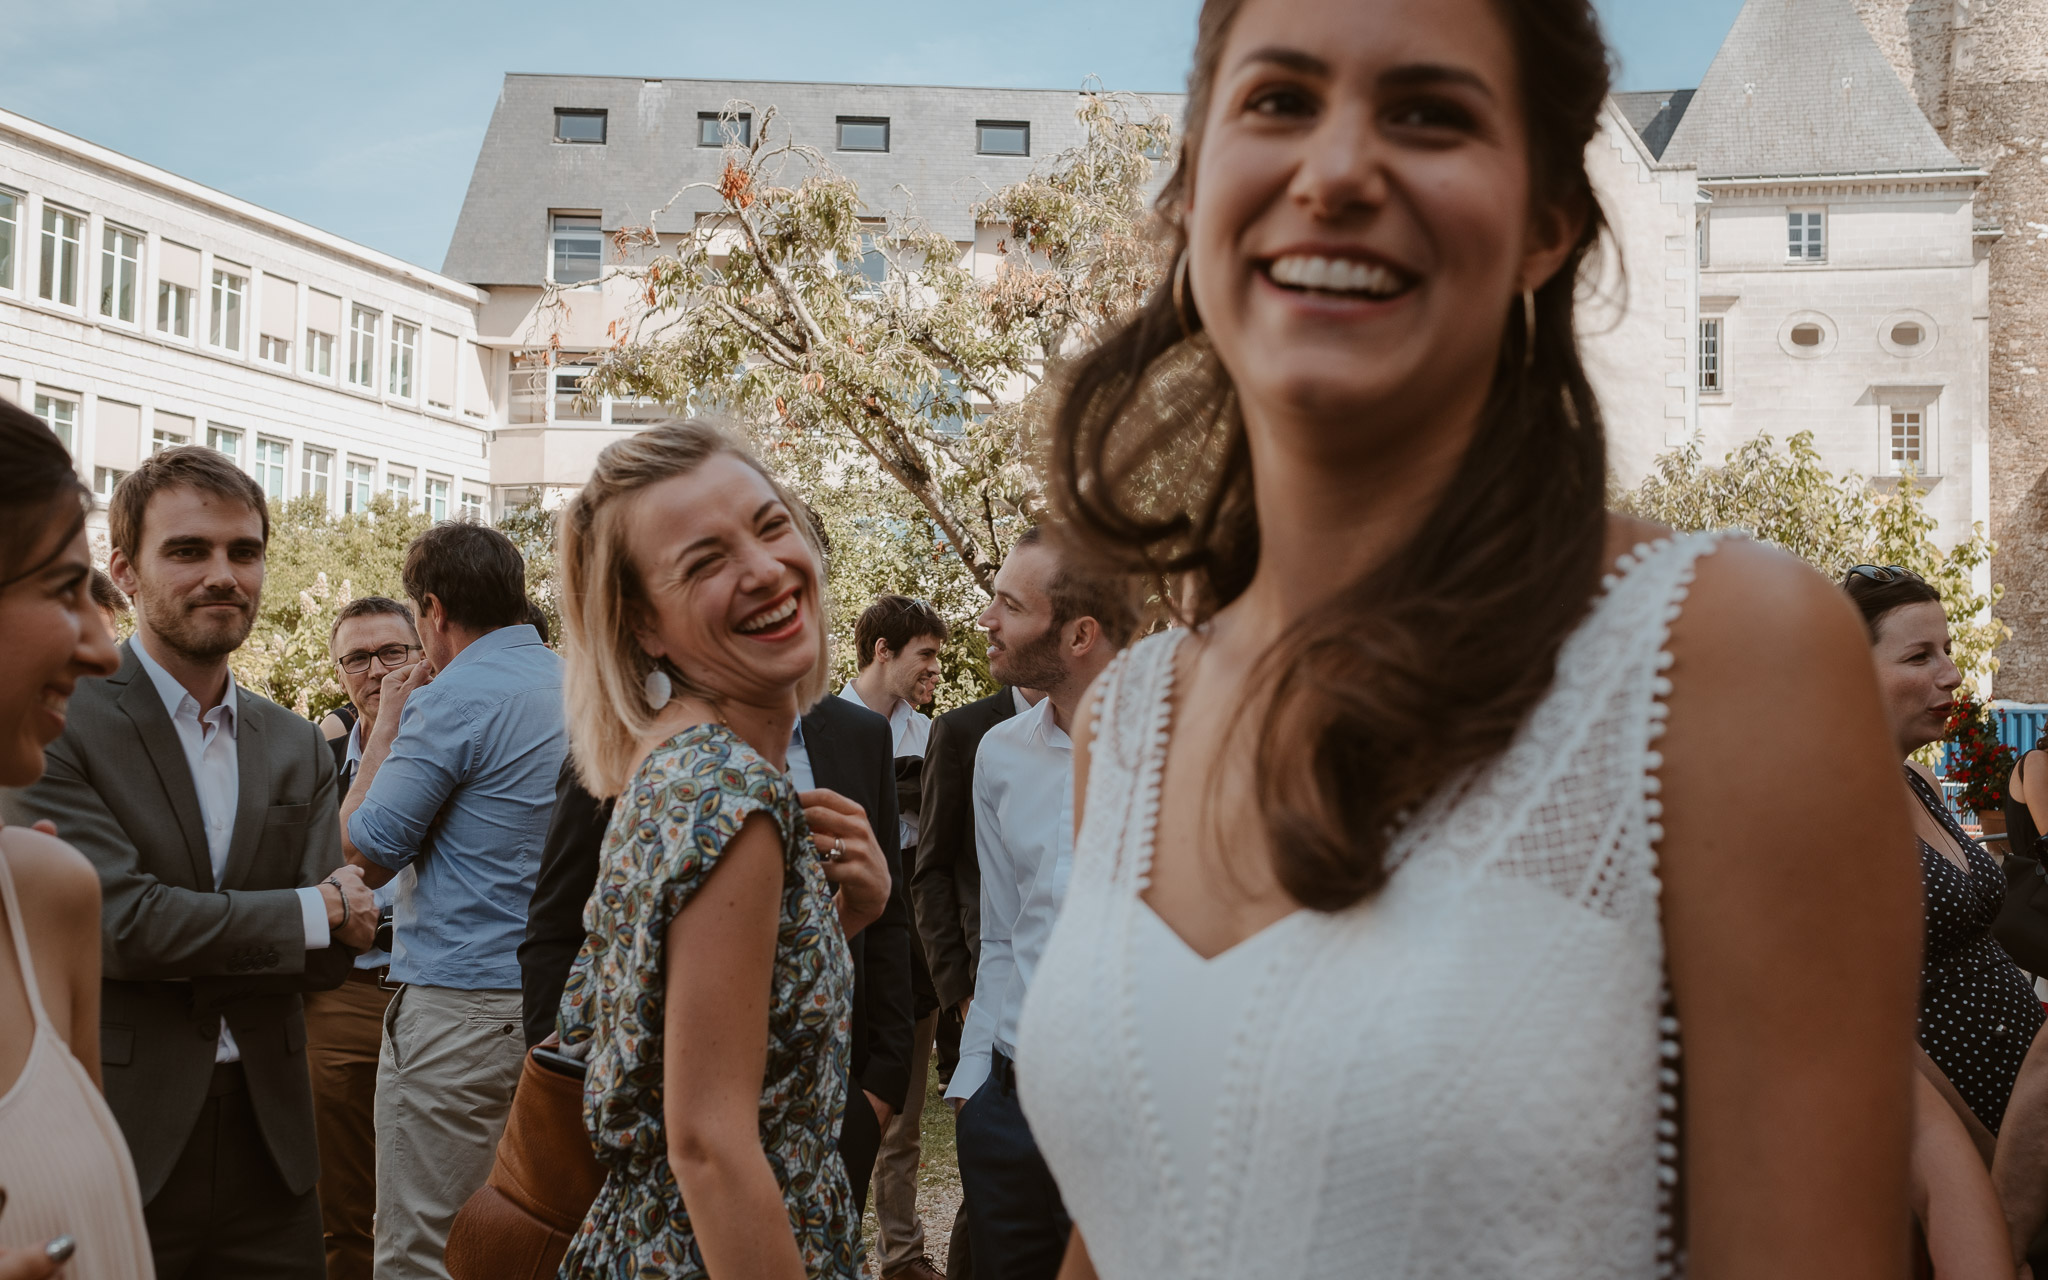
column 364, row 118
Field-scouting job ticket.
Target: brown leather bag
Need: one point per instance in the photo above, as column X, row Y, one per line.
column 519, row 1223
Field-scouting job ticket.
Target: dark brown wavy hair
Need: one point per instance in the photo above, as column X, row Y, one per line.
column 1412, row 676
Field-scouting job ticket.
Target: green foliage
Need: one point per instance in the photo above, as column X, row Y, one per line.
column 1832, row 522
column 1979, row 763
column 873, row 368
column 316, row 563
column 532, row 529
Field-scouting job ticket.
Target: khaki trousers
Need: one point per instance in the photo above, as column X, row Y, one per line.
column 444, row 1087
column 899, row 1232
column 344, row 1029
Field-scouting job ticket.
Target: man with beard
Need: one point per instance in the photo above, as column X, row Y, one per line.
column 210, row 815
column 1050, row 627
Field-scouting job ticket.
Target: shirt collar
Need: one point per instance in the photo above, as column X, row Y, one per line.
column 354, row 758
column 897, row 714
column 176, row 695
column 1044, row 728
column 493, row 640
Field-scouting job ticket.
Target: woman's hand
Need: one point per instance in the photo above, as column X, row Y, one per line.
column 852, row 857
column 28, row 1264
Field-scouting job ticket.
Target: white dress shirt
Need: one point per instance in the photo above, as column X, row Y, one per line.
column 209, row 742
column 913, row 733
column 1024, row 838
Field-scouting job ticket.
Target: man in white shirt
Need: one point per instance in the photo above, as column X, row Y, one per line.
column 210, row 815
column 897, row 640
column 1054, row 628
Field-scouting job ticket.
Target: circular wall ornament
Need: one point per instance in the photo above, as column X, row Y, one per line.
column 1908, row 334
column 1807, row 335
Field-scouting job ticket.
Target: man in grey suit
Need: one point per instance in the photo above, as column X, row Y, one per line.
column 210, row 814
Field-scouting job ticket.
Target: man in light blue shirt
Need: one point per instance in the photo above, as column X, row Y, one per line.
column 457, row 782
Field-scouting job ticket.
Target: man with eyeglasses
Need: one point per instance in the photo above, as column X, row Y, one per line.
column 372, row 637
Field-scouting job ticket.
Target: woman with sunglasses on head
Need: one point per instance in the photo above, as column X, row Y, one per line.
column 1386, row 863
column 1979, row 1018
column 66, row 1180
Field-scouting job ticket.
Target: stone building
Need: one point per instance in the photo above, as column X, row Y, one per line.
column 140, row 310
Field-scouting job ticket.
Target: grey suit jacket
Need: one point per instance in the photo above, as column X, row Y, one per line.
column 119, row 790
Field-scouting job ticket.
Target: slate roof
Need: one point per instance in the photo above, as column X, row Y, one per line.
column 1654, row 114
column 1800, row 88
column 651, row 152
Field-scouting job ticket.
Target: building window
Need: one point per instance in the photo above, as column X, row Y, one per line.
column 362, row 347
column 1808, row 335
column 161, row 439
column 863, row 133
column 270, row 466
column 1909, row 441
column 319, row 353
column 437, row 499
column 62, row 235
column 399, row 485
column 579, row 249
column 225, row 323
column 120, row 267
column 1805, row 235
column 715, row 130
column 405, row 345
column 60, row 415
column 1699, row 239
column 1002, row 137
column 568, row 390
column 1710, row 356
column 579, row 125
column 275, row 350
column 316, row 466
column 225, row 440
column 173, row 309
column 472, row 506
column 872, row 265
column 355, row 495
column 105, row 480
column 10, row 235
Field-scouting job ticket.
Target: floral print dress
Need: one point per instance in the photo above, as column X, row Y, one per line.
column 666, row 836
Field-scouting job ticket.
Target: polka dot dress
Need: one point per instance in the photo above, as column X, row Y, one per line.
column 1978, row 1013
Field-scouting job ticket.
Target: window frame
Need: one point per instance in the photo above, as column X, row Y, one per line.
column 226, row 300
column 259, row 464
column 161, row 439
column 1812, row 244
column 113, row 265
column 56, row 251
column 839, row 133
column 362, row 347
column 105, row 480
column 356, row 472
column 214, row 430
column 555, row 233
column 174, row 307
column 324, row 350
column 474, row 510
column 429, row 498
column 10, row 239
column 403, row 362
column 44, row 406
column 981, row 138
column 1711, row 356
column 604, row 127
column 274, row 350
column 324, row 475
column 714, row 124
column 392, row 477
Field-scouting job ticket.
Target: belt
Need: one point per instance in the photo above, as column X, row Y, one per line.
column 228, row 1078
column 378, row 977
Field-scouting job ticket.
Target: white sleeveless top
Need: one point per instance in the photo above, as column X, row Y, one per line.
column 1467, row 1075
column 63, row 1160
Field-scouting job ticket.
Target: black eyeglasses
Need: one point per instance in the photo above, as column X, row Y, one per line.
column 393, row 656
column 1882, row 573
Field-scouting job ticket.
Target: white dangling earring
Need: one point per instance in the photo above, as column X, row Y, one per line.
column 658, row 688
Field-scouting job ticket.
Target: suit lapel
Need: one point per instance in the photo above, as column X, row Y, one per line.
column 252, row 791
column 828, row 764
column 144, row 707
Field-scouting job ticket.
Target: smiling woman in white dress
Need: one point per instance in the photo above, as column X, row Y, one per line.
column 1446, row 899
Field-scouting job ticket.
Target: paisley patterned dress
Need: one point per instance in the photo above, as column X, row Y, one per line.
column 666, row 836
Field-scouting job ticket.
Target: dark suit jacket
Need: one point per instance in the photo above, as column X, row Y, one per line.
column 851, row 752
column 119, row 790
column 946, row 884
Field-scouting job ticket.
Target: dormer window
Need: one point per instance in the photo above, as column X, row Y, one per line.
column 580, row 124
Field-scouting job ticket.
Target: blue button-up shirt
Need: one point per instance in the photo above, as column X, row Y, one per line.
column 464, row 799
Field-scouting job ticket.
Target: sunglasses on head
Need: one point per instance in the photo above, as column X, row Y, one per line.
column 1882, row 573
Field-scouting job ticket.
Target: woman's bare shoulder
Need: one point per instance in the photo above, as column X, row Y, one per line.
column 50, row 875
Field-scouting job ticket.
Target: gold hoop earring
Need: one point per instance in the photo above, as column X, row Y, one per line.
column 1180, row 295
column 1528, row 330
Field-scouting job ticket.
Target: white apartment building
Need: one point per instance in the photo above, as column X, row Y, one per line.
column 140, row 310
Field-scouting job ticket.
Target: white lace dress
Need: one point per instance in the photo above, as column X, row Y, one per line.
column 1469, row 1075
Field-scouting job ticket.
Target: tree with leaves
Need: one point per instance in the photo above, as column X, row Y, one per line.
column 861, row 354
column 1832, row 522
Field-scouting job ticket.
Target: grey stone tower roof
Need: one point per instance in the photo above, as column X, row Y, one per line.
column 651, row 152
column 1800, row 88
